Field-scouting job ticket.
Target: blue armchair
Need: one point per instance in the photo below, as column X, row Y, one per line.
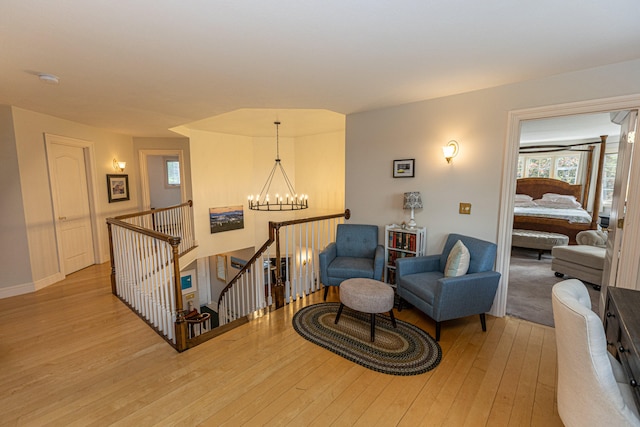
column 355, row 254
column 421, row 282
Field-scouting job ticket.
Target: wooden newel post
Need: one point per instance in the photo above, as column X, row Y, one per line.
column 181, row 324
column 278, row 288
column 114, row 289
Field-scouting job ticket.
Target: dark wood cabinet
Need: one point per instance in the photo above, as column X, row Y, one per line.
column 622, row 328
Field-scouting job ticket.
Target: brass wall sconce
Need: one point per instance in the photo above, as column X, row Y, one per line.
column 119, row 166
column 450, row 150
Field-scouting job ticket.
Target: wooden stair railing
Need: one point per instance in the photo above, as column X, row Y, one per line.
column 174, row 221
column 145, row 269
column 252, row 290
column 145, row 266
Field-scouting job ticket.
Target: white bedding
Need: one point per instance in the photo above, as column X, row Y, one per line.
column 573, row 216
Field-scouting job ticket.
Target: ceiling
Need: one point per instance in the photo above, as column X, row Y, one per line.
column 576, row 128
column 143, row 67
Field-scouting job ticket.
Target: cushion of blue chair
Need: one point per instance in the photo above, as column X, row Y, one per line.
column 422, row 285
column 351, row 267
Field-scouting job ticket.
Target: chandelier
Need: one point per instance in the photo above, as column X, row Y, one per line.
column 290, row 201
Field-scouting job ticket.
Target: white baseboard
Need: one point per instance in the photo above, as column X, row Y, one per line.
column 27, row 288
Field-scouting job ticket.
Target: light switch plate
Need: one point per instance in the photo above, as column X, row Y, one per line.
column 465, row 208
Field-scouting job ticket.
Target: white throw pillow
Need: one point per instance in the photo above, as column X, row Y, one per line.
column 523, row 198
column 457, row 261
column 558, row 197
column 558, row 203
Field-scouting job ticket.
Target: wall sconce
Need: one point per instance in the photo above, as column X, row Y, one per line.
column 119, row 166
column 450, row 150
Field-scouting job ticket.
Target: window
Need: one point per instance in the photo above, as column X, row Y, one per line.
column 172, row 173
column 520, row 171
column 608, row 177
column 562, row 166
column 567, row 168
column 539, row 167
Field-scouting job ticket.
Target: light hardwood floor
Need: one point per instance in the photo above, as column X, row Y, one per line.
column 73, row 354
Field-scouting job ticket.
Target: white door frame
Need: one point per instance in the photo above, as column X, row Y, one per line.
column 509, row 172
column 144, row 175
column 90, row 170
column 629, row 277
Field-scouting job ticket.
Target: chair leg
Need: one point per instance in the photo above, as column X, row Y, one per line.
column 326, row 291
column 339, row 313
column 437, row 331
column 400, row 304
column 483, row 321
column 373, row 326
column 393, row 318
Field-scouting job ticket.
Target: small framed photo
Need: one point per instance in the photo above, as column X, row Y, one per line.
column 404, row 168
column 118, row 188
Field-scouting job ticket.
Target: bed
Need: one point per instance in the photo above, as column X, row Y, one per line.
column 561, row 221
column 536, row 216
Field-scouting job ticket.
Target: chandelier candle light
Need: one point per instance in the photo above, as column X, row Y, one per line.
column 291, row 201
column 412, row 200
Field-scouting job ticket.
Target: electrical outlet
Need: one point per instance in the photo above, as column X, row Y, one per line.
column 465, row 208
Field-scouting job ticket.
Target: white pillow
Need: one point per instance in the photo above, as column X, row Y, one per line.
column 558, row 203
column 523, row 198
column 558, row 197
column 525, row 204
column 457, row 261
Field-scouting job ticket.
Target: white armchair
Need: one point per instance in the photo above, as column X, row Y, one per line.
column 584, row 261
column 592, row 388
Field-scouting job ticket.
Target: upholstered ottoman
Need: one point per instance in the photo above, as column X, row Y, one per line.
column 540, row 240
column 583, row 262
column 368, row 296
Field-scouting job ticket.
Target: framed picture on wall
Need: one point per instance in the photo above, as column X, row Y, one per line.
column 404, row 168
column 221, row 267
column 188, row 281
column 118, row 188
column 226, row 218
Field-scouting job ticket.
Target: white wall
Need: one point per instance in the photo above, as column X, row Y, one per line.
column 478, row 121
column 235, row 166
column 221, row 170
column 320, row 162
column 30, row 128
column 14, row 255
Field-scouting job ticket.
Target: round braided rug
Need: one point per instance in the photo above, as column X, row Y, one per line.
column 405, row 350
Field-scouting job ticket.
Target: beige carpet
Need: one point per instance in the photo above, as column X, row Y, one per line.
column 530, row 283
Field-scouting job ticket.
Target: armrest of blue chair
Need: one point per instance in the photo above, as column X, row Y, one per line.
column 413, row 265
column 325, row 257
column 378, row 262
column 465, row 295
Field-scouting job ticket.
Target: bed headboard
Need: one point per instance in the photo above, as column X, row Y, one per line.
column 536, row 187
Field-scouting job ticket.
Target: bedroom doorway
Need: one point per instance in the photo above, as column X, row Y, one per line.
column 512, row 144
column 558, row 155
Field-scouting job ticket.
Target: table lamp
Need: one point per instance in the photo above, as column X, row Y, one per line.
column 412, row 200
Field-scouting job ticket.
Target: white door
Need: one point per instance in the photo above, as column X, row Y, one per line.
column 71, row 206
column 618, row 207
